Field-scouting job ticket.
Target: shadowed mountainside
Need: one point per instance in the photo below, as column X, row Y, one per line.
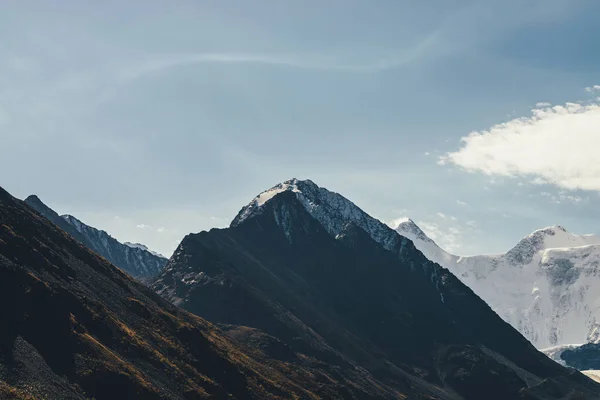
column 344, row 299
column 73, row 326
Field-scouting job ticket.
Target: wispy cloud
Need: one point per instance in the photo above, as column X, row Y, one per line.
column 325, row 62
column 448, row 217
column 448, row 231
column 556, row 145
column 451, row 35
column 563, row 197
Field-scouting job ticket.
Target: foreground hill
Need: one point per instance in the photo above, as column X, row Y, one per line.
column 309, row 267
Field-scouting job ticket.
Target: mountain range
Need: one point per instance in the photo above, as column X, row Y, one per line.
column 74, row 326
column 304, row 296
column 547, row 286
column 134, row 258
column 340, row 289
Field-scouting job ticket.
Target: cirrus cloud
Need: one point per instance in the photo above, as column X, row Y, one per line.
column 555, row 145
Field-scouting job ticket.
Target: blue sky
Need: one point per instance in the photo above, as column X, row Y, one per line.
column 152, row 119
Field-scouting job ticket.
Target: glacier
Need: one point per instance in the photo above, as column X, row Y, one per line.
column 547, row 286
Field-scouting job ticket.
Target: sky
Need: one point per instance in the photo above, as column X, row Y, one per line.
column 480, row 120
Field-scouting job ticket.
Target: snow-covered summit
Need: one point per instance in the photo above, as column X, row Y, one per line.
column 331, row 209
column 547, row 238
column 547, row 286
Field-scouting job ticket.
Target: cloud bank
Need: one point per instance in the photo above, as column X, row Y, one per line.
column 555, row 145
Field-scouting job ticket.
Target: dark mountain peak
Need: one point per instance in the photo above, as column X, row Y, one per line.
column 33, row 198
column 37, row 204
column 310, row 268
column 332, row 211
column 256, row 206
column 283, row 214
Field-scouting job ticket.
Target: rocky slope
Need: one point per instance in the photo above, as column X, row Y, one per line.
column 135, row 259
column 73, row 326
column 310, row 268
column 547, row 286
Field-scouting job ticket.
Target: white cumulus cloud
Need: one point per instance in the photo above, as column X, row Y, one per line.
column 555, row 145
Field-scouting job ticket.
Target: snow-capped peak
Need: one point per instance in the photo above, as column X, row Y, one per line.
column 552, row 237
column 557, row 236
column 256, row 205
column 408, row 228
column 331, row 209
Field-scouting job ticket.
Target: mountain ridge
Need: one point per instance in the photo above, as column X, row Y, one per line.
column 139, row 262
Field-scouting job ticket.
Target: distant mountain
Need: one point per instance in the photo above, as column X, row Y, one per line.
column 547, row 286
column 72, row 326
column 312, row 269
column 135, row 259
column 143, row 247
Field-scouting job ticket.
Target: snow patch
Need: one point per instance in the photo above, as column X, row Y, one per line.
column 269, row 194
